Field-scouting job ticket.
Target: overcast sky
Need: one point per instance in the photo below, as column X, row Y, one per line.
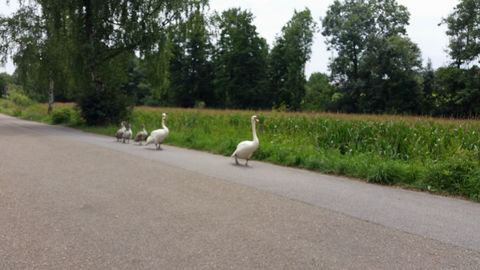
column 271, row 15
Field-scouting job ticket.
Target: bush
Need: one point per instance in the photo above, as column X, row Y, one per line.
column 389, row 173
column 76, row 118
column 153, row 101
column 62, row 116
column 100, row 108
column 199, row 104
column 17, row 112
column 20, row 99
column 454, row 176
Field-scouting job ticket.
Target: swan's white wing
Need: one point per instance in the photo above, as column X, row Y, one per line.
column 245, row 149
column 150, row 140
column 156, row 131
column 157, row 136
column 160, row 135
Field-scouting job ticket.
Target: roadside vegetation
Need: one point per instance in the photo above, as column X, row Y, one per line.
column 184, row 54
column 430, row 154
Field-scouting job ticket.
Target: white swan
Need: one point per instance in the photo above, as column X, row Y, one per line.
column 120, row 132
column 127, row 135
column 157, row 136
column 141, row 136
column 245, row 149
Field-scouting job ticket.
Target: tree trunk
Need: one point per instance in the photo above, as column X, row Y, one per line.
column 96, row 78
column 50, row 94
column 92, row 57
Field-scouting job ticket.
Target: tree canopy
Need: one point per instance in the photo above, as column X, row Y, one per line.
column 110, row 55
column 464, row 32
column 291, row 52
column 240, row 60
column 376, row 65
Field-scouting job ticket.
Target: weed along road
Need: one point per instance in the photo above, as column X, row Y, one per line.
column 73, row 200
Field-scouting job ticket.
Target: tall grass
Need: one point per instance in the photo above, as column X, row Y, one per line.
column 439, row 155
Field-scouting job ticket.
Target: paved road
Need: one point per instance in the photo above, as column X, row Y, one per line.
column 73, row 200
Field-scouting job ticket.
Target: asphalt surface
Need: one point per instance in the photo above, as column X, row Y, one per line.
column 74, row 200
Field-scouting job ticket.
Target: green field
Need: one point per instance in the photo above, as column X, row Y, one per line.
column 436, row 155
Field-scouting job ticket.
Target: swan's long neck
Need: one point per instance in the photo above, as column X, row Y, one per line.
column 254, row 132
column 163, row 124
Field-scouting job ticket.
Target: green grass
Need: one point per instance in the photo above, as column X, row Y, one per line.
column 437, row 155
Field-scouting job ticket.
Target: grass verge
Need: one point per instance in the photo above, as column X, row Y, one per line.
column 436, row 155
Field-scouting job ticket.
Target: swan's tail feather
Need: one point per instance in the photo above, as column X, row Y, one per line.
column 149, row 140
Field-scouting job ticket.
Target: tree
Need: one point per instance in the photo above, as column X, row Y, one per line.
column 375, row 60
column 464, row 32
column 191, row 70
column 137, row 86
column 289, row 55
column 458, row 92
column 319, row 93
column 5, row 79
column 155, row 65
column 347, row 28
column 390, row 72
column 56, row 51
column 430, row 89
column 35, row 38
column 106, row 34
column 459, row 86
column 240, row 61
column 350, row 25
